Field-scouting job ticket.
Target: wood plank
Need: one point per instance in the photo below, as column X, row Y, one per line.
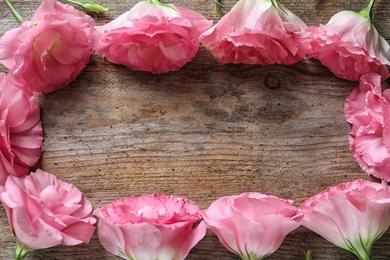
column 205, row 131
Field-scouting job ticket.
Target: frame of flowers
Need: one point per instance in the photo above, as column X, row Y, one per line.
column 44, row 211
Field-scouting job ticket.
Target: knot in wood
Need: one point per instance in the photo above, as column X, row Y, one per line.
column 272, row 82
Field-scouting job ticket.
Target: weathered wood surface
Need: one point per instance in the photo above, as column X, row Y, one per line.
column 205, row 131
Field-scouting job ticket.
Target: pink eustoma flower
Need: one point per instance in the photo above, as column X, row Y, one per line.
column 151, row 37
column 350, row 46
column 350, row 215
column 50, row 50
column 44, row 212
column 251, row 225
column 257, row 32
column 150, row 227
column 21, row 133
column 368, row 110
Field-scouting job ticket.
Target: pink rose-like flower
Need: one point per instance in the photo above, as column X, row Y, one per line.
column 351, row 215
column 368, row 110
column 251, row 225
column 21, row 133
column 356, row 102
column 50, row 50
column 350, row 46
column 151, row 37
column 257, row 32
column 44, row 212
column 150, row 227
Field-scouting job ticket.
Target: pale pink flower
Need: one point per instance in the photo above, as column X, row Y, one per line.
column 368, row 110
column 50, row 50
column 257, row 32
column 151, row 37
column 21, row 133
column 150, row 227
column 350, row 215
column 44, row 212
column 350, row 46
column 251, row 225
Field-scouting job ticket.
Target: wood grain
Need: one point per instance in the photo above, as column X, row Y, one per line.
column 205, row 131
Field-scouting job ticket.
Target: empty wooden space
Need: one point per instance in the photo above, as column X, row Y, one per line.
column 205, row 131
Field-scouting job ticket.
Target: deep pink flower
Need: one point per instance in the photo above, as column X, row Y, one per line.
column 151, row 37
column 44, row 211
column 21, row 133
column 50, row 50
column 351, row 215
column 150, row 227
column 350, row 46
column 257, row 32
column 368, row 110
column 251, row 225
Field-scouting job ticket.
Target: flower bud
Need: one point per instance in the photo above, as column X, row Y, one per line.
column 91, row 7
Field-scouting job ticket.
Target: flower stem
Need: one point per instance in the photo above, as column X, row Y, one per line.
column 364, row 254
column 367, row 12
column 364, row 257
column 14, row 12
column 20, row 251
column 362, row 251
column 369, row 8
column 218, row 6
column 155, row 2
column 158, row 3
column 308, row 255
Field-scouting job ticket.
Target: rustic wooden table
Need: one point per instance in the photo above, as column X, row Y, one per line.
column 205, row 131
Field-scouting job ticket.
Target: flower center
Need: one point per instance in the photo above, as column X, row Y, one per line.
column 46, row 44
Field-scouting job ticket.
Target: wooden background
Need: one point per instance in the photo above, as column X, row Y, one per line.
column 205, row 131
